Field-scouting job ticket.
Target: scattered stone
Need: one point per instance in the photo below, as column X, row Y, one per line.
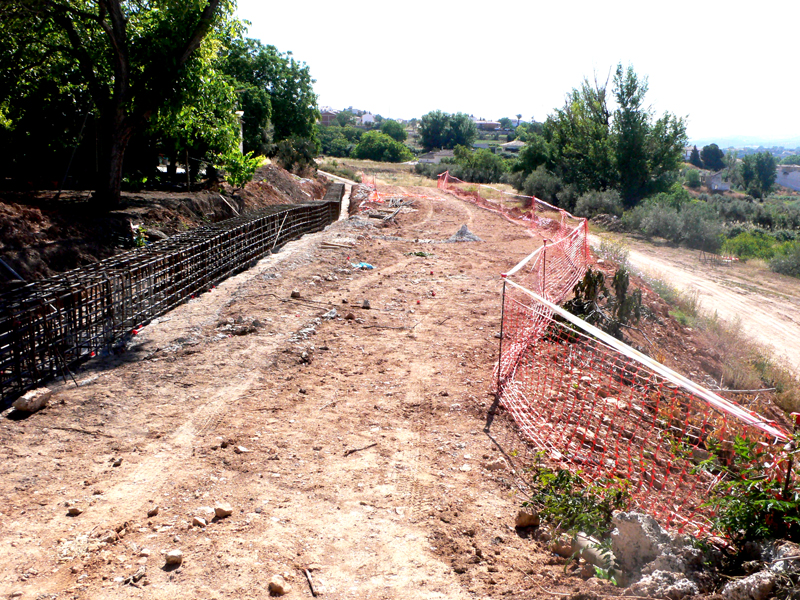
column 331, row 314
column 223, row 510
column 662, row 584
column 238, row 320
column 756, row 587
column 174, row 557
column 496, row 465
column 498, row 335
column 637, row 540
column 117, row 462
column 344, row 300
column 153, row 511
column 466, row 468
column 295, row 294
column 257, row 324
column 33, row 400
column 562, row 546
column 144, row 552
column 302, row 391
column 350, row 317
column 278, row 586
column 199, row 522
column 225, row 444
column 74, row 511
column 365, row 304
column 527, row 518
column 241, row 450
column 444, row 393
column 109, row 537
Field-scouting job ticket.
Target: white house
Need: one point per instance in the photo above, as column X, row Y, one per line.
column 368, row 119
column 788, row 176
column 436, row 157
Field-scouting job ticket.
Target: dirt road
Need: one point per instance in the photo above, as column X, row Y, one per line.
column 349, row 443
column 767, row 304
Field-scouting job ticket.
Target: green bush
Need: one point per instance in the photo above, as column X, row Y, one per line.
column 239, row 168
column 787, row 261
column 297, row 155
column 595, row 203
column 542, row 184
column 693, row 178
column 378, row 146
column 750, row 245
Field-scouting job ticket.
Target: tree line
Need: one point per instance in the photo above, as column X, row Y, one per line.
column 103, row 87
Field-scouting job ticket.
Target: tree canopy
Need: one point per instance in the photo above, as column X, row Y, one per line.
column 99, row 76
column 694, row 158
column 375, row 145
column 439, row 129
column 712, row 157
column 394, row 130
column 588, row 146
column 758, row 173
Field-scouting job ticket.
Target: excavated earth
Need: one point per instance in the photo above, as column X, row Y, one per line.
column 353, row 444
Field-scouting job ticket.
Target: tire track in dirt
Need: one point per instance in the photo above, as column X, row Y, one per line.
column 765, row 303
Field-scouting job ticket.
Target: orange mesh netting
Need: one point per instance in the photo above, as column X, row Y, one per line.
column 594, row 404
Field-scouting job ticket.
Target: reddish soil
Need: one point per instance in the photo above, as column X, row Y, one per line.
column 363, row 451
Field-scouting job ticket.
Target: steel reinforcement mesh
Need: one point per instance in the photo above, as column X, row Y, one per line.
column 49, row 325
column 596, row 406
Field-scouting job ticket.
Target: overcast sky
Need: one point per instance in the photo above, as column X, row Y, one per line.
column 730, row 67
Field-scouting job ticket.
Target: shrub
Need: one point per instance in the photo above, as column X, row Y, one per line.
column 239, row 168
column 378, row 146
column 750, row 245
column 542, row 184
column 787, row 262
column 594, row 203
column 693, row 178
column 297, row 155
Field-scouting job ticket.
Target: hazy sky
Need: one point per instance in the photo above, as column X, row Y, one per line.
column 730, row 67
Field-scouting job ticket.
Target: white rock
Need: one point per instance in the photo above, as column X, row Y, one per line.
column 241, row 450
column 637, row 540
column 174, row 557
column 223, row 510
column 664, row 585
column 278, row 586
column 33, row 400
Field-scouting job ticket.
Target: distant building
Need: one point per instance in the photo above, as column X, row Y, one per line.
column 487, row 125
column 789, row 176
column 327, row 115
column 436, row 156
column 367, row 119
column 714, row 183
column 514, row 146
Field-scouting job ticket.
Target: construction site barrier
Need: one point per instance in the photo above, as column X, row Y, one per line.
column 48, row 326
column 596, row 406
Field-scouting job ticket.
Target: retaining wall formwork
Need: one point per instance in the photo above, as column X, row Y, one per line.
column 48, row 326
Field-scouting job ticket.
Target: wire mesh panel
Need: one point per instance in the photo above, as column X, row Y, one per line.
column 48, row 325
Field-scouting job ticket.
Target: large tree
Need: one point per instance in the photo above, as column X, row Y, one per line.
column 276, row 89
column 442, row 130
column 712, row 157
column 129, row 58
column 758, row 173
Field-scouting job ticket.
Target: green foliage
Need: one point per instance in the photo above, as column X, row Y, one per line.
column 753, row 502
column 588, row 146
column 333, row 141
column 506, row 123
column 750, row 245
column 758, row 173
column 394, row 130
column 480, row 166
column 594, row 203
column 694, row 158
column 239, row 168
column 712, row 156
column 375, row 145
column 573, row 506
column 296, row 154
column 439, row 129
column 542, row 184
column 693, row 178
column 787, row 261
column 340, row 169
column 619, row 310
column 345, row 118
column 793, row 159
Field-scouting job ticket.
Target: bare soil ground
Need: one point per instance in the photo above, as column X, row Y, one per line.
column 767, row 304
column 414, row 514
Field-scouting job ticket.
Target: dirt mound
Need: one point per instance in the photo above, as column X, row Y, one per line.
column 41, row 235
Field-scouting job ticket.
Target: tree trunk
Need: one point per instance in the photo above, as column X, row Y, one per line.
column 109, row 187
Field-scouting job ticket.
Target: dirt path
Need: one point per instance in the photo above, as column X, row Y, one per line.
column 767, row 304
column 247, row 396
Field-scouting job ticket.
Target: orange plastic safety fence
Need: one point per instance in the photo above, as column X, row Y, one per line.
column 611, row 417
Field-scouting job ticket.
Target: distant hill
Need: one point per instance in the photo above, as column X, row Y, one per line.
column 745, row 141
